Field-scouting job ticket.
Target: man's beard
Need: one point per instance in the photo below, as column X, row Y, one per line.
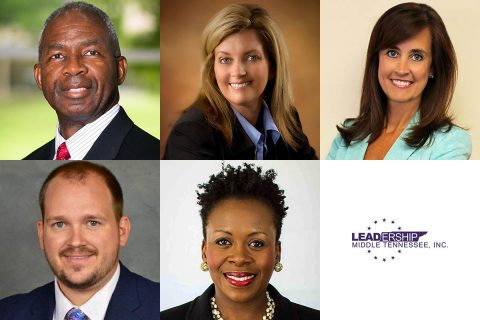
column 92, row 279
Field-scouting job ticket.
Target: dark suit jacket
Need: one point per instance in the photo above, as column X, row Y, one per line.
column 134, row 298
column 193, row 138
column 199, row 309
column 121, row 140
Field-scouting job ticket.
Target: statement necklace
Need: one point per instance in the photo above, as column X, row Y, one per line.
column 268, row 316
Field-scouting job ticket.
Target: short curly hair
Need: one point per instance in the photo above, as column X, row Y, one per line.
column 242, row 182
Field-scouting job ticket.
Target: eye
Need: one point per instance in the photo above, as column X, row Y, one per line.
column 256, row 244
column 392, row 53
column 225, row 60
column 417, row 57
column 59, row 224
column 223, row 242
column 56, row 56
column 253, row 57
column 91, row 53
column 93, row 223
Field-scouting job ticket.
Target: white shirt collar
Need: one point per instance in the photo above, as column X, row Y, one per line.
column 82, row 141
column 95, row 308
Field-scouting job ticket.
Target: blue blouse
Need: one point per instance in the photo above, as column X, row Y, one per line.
column 452, row 145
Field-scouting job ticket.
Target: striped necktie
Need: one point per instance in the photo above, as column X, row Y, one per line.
column 76, row 314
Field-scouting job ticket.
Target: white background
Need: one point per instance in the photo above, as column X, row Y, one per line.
column 345, row 28
column 181, row 279
column 439, row 197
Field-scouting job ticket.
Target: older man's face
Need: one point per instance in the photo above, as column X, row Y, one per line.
column 78, row 71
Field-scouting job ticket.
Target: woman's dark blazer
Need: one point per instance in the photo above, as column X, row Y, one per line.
column 193, row 138
column 199, row 309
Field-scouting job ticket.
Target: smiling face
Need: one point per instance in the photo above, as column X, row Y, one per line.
column 77, row 70
column 79, row 233
column 242, row 69
column 240, row 249
column 403, row 70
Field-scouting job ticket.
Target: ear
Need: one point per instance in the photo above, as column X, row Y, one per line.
column 124, row 230
column 122, row 66
column 204, row 248
column 40, row 233
column 278, row 251
column 37, row 74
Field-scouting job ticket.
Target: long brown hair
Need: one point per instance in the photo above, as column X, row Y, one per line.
column 236, row 18
column 397, row 24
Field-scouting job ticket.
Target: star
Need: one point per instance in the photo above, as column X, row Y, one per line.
column 375, row 221
column 384, row 259
column 399, row 228
column 393, row 221
column 393, row 257
column 384, row 219
column 368, row 251
column 375, row 257
column 399, row 251
column 369, row 228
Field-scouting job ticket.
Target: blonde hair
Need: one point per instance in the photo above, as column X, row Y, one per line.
column 233, row 19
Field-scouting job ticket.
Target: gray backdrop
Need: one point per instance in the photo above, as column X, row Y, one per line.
column 22, row 264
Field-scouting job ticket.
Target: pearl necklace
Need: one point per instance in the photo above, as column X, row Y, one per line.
column 269, row 311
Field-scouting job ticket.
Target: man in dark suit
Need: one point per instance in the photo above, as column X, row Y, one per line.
column 79, row 69
column 81, row 232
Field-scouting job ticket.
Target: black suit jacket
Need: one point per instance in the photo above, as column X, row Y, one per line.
column 193, row 138
column 199, row 309
column 121, row 140
column 134, row 298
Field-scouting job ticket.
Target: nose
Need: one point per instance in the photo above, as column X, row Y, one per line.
column 76, row 236
column 403, row 66
column 239, row 255
column 74, row 66
column 239, row 69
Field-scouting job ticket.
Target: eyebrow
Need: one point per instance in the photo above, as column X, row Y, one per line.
column 87, row 217
column 245, row 53
column 411, row 51
column 249, row 235
column 85, row 43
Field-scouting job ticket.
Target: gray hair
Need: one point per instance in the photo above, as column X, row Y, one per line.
column 84, row 7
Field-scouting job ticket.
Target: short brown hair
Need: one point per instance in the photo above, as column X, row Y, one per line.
column 79, row 171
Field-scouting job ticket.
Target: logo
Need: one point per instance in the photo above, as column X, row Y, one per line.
column 385, row 240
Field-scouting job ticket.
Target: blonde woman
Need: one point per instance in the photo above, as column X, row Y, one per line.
column 244, row 109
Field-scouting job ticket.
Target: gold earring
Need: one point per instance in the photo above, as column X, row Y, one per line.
column 204, row 266
column 278, row 267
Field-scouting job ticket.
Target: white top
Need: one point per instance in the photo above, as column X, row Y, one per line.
column 95, row 308
column 82, row 141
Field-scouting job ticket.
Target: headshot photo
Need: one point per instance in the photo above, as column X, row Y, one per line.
column 406, row 85
column 239, row 238
column 79, row 240
column 70, row 107
column 239, row 81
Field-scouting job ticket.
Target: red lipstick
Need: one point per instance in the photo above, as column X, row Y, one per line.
column 239, row 279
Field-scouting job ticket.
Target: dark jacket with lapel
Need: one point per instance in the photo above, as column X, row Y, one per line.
column 193, row 138
column 199, row 309
column 121, row 140
column 134, row 298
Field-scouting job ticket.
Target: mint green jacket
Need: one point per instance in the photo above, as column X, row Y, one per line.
column 452, row 145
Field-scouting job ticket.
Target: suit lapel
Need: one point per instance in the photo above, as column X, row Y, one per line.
column 125, row 304
column 242, row 147
column 43, row 307
column 110, row 140
column 356, row 151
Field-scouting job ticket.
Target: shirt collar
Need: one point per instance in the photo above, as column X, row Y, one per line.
column 95, row 308
column 82, row 141
column 269, row 126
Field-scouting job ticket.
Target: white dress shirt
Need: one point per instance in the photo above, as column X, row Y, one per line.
column 95, row 308
column 82, row 141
